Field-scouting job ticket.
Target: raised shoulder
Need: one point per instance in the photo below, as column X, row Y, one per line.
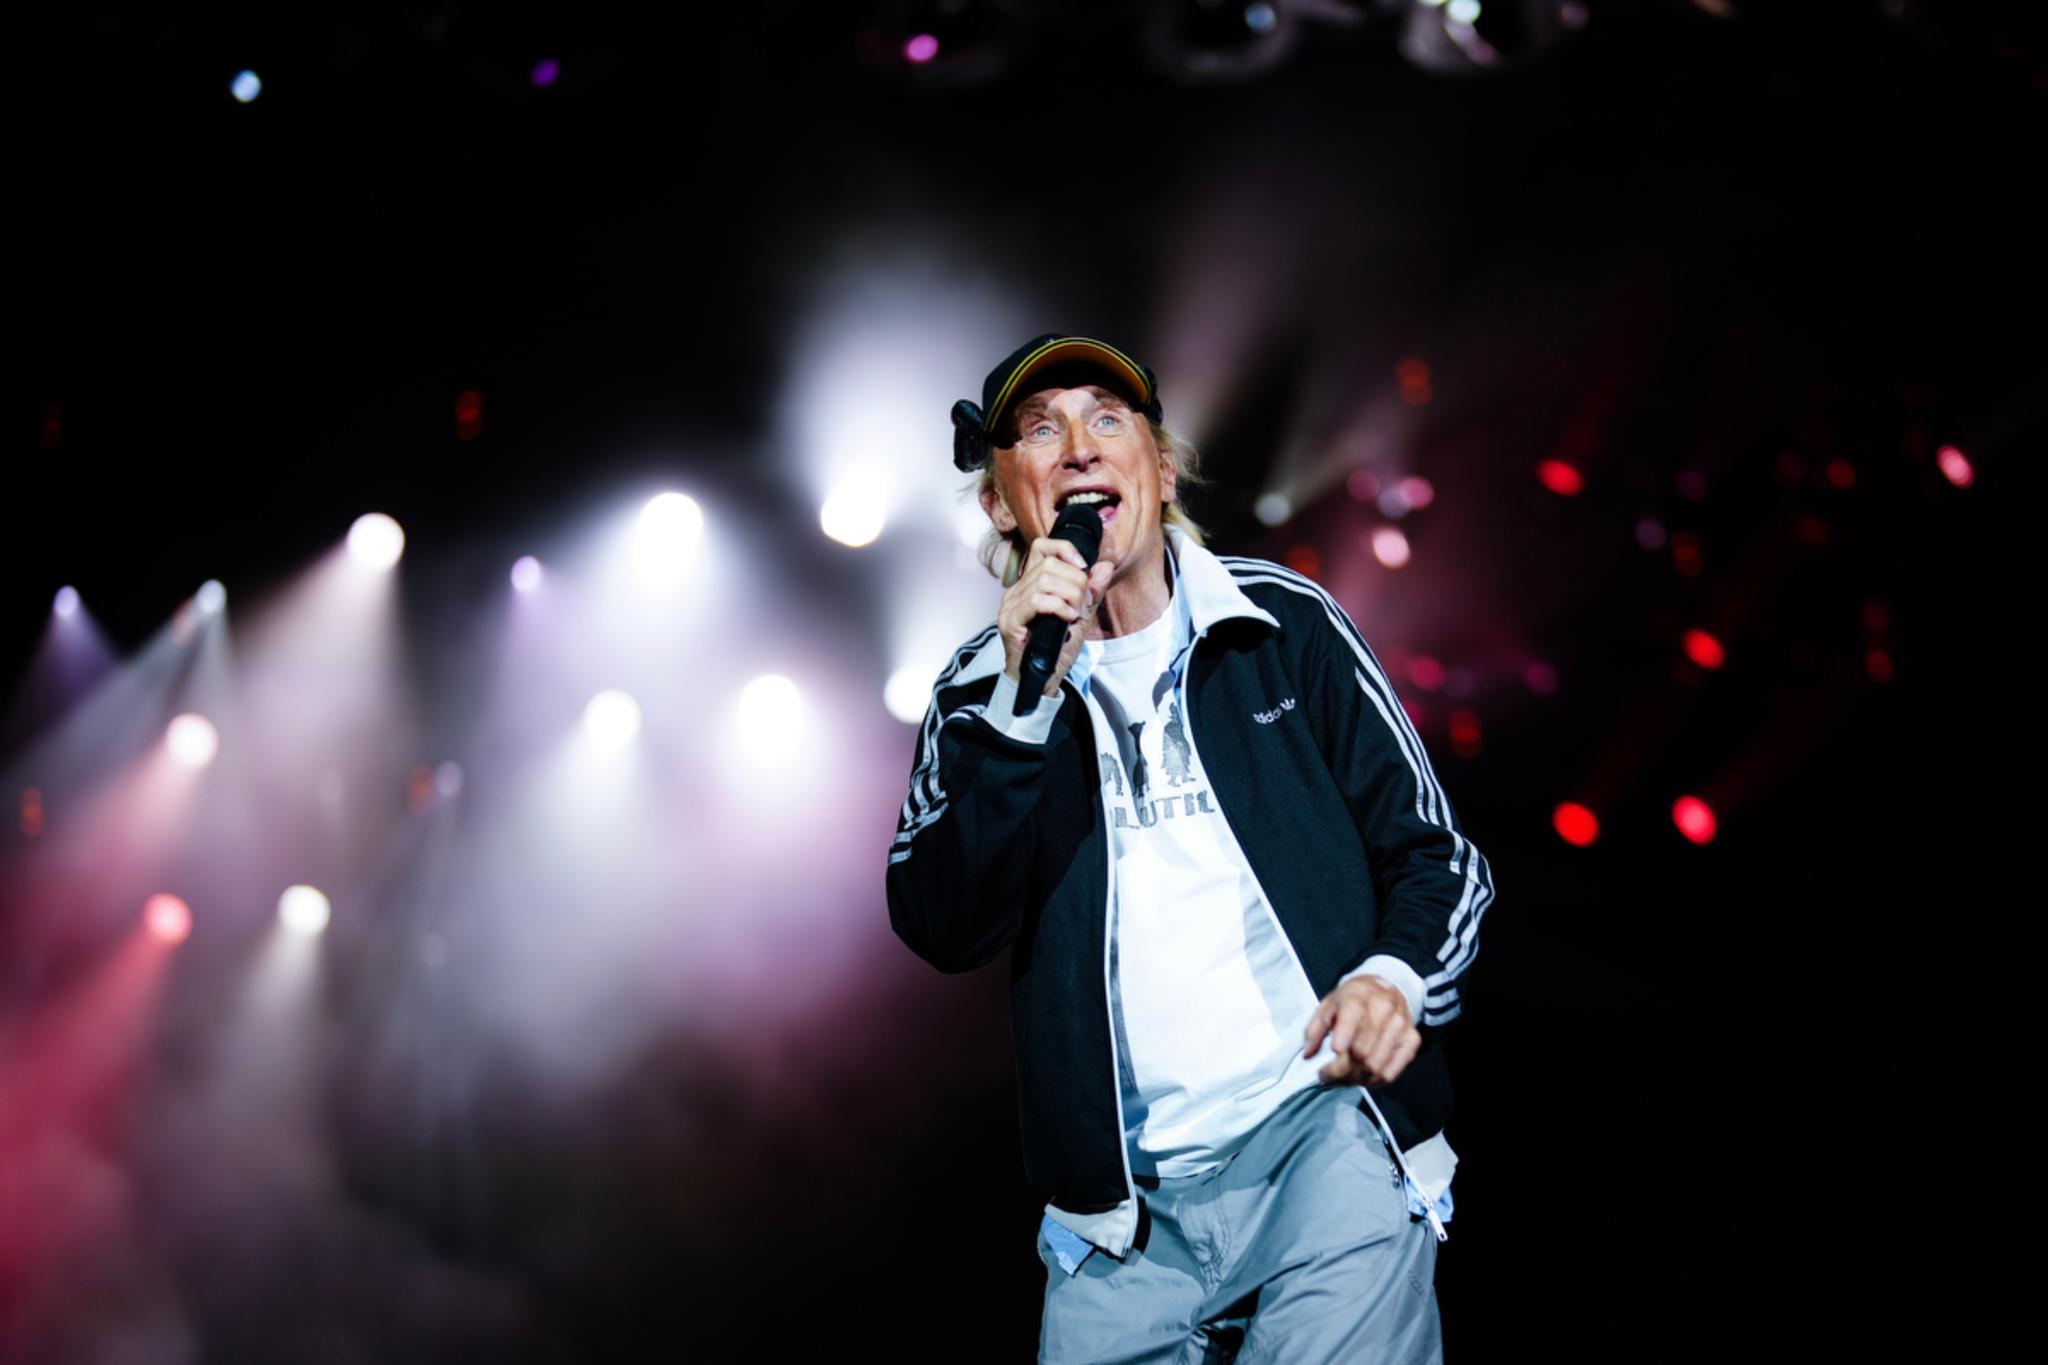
column 1303, row 607
column 975, row 660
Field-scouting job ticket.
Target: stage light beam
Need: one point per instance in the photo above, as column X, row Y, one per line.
column 908, row 692
column 1390, row 547
column 168, row 917
column 665, row 541
column 192, row 740
column 375, row 541
column 852, row 515
column 1561, row 478
column 611, row 719
column 1694, row 818
column 304, row 910
column 1575, row 824
column 1955, row 466
column 1704, row 650
column 770, row 716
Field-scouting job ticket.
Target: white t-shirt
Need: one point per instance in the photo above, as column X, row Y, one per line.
column 1209, row 1002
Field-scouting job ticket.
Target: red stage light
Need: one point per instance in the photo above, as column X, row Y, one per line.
column 469, row 415
column 1575, row 824
column 1414, row 377
column 1685, row 554
column 1560, row 478
column 1426, row 673
column 169, row 918
column 1305, row 561
column 1694, row 818
column 1955, row 466
column 1465, row 733
column 1841, row 473
column 1703, row 649
column 31, row 812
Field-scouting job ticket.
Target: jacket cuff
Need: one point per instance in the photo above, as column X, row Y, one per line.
column 1035, row 728
column 1397, row 974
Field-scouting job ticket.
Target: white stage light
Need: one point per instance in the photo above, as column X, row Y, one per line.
column 448, row 779
column 671, row 527
column 212, row 596
column 247, row 86
column 1272, row 508
column 1389, row 546
column 304, row 910
column 970, row 523
column 771, row 716
column 853, row 514
column 525, row 574
column 375, row 541
column 611, row 719
column 65, row 604
column 192, row 740
column 908, row 693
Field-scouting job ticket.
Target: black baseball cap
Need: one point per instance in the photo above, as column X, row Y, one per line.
column 1053, row 360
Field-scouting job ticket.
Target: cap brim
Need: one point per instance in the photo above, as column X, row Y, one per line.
column 1079, row 353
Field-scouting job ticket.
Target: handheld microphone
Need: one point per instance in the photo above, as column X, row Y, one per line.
column 1080, row 525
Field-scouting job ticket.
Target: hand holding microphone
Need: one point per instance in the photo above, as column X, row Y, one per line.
column 1045, row 612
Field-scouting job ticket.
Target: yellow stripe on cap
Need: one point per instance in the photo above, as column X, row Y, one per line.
column 1053, row 352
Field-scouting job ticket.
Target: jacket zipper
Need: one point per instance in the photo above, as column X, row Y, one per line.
column 1188, row 725
column 1109, row 1007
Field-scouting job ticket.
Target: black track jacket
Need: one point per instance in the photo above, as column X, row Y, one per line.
column 1003, row 843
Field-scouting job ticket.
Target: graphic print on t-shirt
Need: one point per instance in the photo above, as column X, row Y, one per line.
column 1129, row 774
column 1175, row 752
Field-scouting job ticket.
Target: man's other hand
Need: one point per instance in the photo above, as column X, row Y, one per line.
column 1370, row 1033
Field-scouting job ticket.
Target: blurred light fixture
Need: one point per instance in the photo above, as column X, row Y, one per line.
column 1467, row 37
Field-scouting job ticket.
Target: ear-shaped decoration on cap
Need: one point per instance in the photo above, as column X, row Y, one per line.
column 1151, row 408
column 970, row 437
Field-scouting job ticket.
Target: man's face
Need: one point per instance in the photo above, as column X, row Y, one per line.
column 1076, row 441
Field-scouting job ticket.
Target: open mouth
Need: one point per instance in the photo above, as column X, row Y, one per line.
column 1104, row 500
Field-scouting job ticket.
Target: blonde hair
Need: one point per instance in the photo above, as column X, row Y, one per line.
column 1009, row 550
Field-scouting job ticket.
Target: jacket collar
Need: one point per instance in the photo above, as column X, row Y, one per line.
column 1212, row 595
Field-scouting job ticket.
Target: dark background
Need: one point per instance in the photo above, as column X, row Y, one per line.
column 1713, row 1101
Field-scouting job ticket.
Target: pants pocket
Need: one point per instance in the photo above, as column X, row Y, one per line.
column 1061, row 1248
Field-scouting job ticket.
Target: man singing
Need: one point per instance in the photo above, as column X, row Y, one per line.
column 1238, row 905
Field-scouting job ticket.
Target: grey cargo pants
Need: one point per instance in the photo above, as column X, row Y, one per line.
column 1298, row 1249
